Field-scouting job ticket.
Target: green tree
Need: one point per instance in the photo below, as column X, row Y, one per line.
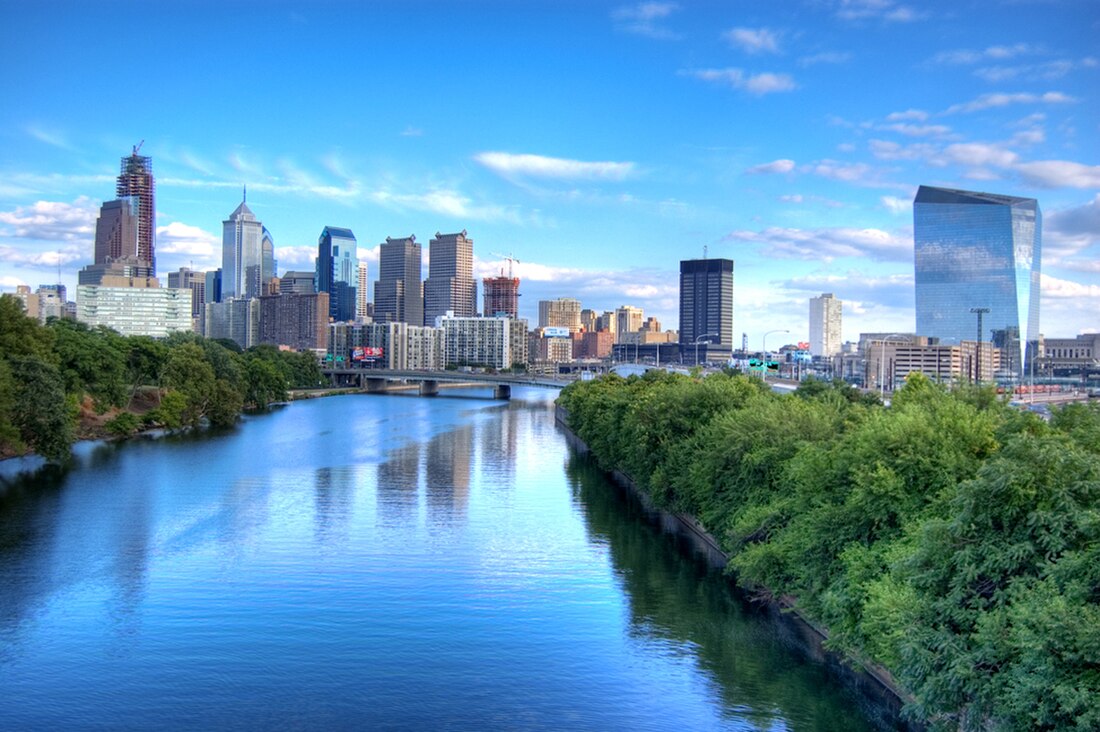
column 39, row 408
column 188, row 373
column 92, row 362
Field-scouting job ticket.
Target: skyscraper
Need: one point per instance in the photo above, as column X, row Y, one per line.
column 565, row 312
column 116, row 230
column 136, row 179
column 398, row 293
column 450, row 284
column 338, row 271
column 706, row 307
column 974, row 251
column 825, row 314
column 242, row 254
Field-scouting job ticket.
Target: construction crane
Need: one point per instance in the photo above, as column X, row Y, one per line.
column 510, row 259
column 138, row 147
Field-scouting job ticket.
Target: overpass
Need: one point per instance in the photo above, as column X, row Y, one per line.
column 382, row 380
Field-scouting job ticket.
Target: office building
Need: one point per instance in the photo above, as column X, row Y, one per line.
column 488, row 342
column 564, row 312
column 338, row 271
column 628, row 319
column 236, row 319
column 196, row 282
column 398, row 292
column 977, row 258
column 135, row 311
column 450, row 286
column 298, row 282
column 116, row 230
column 825, row 322
column 362, row 303
column 706, row 309
column 135, row 180
column 242, row 254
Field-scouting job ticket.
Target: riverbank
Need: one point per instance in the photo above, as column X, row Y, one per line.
column 873, row 683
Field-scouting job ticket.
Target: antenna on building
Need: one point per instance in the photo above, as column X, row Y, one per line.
column 704, row 251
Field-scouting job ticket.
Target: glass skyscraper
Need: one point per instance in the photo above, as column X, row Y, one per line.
column 974, row 251
column 338, row 271
column 706, row 308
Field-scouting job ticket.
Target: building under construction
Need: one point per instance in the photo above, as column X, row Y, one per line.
column 135, row 179
column 501, row 296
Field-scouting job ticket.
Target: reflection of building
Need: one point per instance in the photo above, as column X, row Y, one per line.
column 135, row 181
column 338, row 271
column 398, row 294
column 706, row 308
column 976, row 251
column 242, row 254
column 146, row 311
column 825, row 313
column 450, row 286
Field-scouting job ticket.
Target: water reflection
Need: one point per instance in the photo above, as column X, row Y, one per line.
column 676, row 598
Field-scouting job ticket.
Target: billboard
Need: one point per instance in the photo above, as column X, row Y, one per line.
column 555, row 331
column 367, row 353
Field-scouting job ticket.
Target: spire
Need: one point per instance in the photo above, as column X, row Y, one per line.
column 244, row 194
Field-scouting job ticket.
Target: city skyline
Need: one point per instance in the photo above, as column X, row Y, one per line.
column 597, row 145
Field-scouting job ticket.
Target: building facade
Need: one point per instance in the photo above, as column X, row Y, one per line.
column 297, row 321
column 196, row 282
column 338, row 271
column 501, row 296
column 242, row 254
column 487, row 342
column 450, row 286
column 135, row 180
column 825, row 325
column 398, row 292
column 564, row 312
column 628, row 319
column 236, row 319
column 706, row 308
column 977, row 258
column 135, row 311
column 116, row 230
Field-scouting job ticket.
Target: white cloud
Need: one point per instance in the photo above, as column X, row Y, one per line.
column 889, row 150
column 1060, row 174
column 896, row 205
column 918, row 130
column 979, row 154
column 1063, row 289
column 411, row 131
column 51, row 221
column 53, row 138
column 184, row 239
column 753, row 40
column 1027, row 72
column 541, row 166
column 909, row 114
column 993, row 100
column 828, row 243
column 886, row 10
column 970, row 56
column 448, row 203
column 776, row 166
column 759, row 84
column 644, row 19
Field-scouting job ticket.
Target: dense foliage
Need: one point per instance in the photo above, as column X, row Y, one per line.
column 48, row 371
column 951, row 538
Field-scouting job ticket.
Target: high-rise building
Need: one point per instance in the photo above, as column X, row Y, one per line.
column 565, row 312
column 298, row 321
column 398, row 293
column 501, row 296
column 706, row 308
column 825, row 314
column 301, row 283
column 196, row 282
column 135, row 311
column 268, row 265
column 135, row 179
column 977, row 260
column 116, row 230
column 242, row 254
column 338, row 271
column 628, row 319
column 362, row 303
column 450, row 286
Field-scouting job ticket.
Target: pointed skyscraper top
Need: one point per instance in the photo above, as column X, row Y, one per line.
column 244, row 194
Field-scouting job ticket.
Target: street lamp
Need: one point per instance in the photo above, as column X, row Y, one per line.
column 881, row 361
column 764, row 348
column 697, row 340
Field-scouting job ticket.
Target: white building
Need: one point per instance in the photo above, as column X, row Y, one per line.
column 242, row 254
column 134, row 311
column 489, row 342
column 825, row 324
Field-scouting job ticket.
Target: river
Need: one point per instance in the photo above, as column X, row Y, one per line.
column 373, row 562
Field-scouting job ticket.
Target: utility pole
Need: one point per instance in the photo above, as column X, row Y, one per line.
column 978, row 354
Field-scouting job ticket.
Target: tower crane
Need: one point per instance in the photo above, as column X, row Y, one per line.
column 138, row 147
column 510, row 259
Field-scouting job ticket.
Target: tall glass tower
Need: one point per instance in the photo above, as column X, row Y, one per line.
column 706, row 307
column 974, row 251
column 338, row 271
column 242, row 254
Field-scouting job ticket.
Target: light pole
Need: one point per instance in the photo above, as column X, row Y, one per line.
column 764, row 348
column 881, row 362
column 697, row 341
column 978, row 353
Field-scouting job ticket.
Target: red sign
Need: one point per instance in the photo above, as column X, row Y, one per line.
column 803, row 345
column 367, row 353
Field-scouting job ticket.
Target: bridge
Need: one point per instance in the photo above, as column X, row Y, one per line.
column 429, row 382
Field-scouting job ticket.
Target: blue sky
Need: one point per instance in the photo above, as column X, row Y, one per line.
column 598, row 143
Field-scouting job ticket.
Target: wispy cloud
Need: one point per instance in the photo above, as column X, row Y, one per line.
column 884, row 10
column 1060, row 174
column 645, row 19
column 51, row 221
column 825, row 57
column 411, row 131
column 918, row 115
column 990, row 101
column 542, row 166
column 827, row 243
column 53, row 138
column 964, row 56
column 753, row 40
column 758, row 84
column 776, row 166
